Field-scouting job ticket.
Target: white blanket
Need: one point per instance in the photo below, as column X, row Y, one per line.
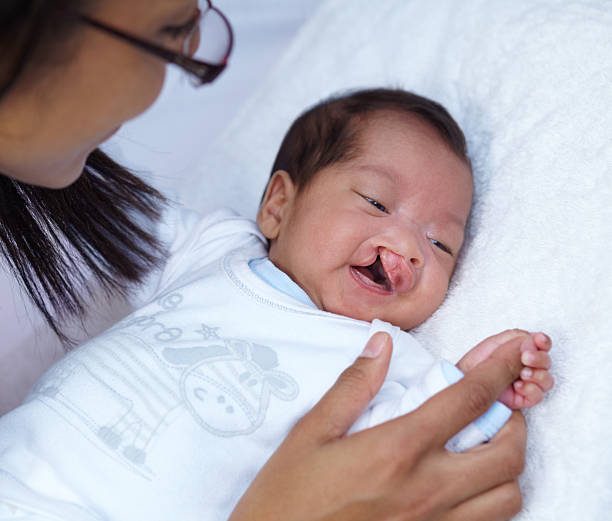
column 530, row 81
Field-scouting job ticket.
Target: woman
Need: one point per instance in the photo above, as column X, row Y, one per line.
column 71, row 73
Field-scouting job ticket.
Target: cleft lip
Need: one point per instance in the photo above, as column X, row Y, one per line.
column 388, row 273
column 372, row 276
column 399, row 273
column 378, row 273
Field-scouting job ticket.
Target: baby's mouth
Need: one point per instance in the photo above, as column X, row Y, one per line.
column 375, row 273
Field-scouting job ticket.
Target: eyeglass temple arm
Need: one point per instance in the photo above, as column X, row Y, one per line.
column 198, row 68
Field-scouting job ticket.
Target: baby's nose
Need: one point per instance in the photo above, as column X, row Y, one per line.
column 401, row 275
column 408, row 250
column 416, row 259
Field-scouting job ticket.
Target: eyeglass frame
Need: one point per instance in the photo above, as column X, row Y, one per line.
column 205, row 72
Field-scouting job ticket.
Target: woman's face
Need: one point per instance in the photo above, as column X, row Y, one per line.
column 64, row 107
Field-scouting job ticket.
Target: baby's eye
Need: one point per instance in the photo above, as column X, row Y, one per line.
column 376, row 204
column 441, row 245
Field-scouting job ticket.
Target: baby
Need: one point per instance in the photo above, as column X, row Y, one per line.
column 171, row 413
column 366, row 211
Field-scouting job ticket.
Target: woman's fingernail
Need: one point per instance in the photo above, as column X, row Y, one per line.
column 528, row 357
column 374, row 345
column 526, row 373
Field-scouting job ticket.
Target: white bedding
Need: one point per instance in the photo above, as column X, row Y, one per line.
column 530, row 81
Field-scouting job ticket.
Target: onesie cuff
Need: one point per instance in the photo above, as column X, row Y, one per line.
column 480, row 430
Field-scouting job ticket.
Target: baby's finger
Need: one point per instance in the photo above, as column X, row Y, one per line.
column 528, row 394
column 536, row 359
column 542, row 341
column 449, row 411
column 541, row 377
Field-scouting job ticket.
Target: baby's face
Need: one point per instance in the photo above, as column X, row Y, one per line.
column 378, row 236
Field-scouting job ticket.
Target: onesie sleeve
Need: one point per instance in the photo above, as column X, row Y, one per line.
column 415, row 376
column 192, row 241
column 11, row 512
column 18, row 502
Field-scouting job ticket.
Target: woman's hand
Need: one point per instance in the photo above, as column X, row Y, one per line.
column 398, row 470
column 535, row 378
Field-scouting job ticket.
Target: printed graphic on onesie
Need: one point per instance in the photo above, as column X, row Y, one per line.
column 144, row 383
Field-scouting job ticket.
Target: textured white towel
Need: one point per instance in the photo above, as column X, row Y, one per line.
column 530, row 81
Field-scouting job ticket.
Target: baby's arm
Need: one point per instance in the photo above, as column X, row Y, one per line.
column 414, row 376
column 535, row 377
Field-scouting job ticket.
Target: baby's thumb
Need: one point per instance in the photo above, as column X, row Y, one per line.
column 340, row 407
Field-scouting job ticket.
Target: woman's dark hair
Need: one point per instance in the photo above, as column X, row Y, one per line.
column 64, row 245
column 328, row 132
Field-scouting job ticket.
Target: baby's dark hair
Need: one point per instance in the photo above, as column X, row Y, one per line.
column 327, row 133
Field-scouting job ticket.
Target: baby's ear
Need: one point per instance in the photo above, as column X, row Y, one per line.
column 276, row 202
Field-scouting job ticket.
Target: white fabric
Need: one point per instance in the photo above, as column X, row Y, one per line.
column 530, row 81
column 171, row 413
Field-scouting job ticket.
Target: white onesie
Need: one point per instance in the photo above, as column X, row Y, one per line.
column 171, row 413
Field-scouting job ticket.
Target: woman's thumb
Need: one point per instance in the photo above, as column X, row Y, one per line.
column 340, row 407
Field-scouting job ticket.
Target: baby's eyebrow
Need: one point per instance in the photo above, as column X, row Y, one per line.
column 455, row 219
column 388, row 173
column 394, row 177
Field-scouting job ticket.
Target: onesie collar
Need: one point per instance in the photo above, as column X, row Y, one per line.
column 269, row 273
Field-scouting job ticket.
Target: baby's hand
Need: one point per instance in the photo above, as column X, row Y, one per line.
column 535, row 377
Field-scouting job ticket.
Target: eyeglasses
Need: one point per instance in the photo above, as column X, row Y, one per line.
column 205, row 41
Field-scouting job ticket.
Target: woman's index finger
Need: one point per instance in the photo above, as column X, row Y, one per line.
column 449, row 411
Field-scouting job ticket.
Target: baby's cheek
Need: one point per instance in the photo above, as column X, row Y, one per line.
column 428, row 302
column 440, row 289
column 420, row 303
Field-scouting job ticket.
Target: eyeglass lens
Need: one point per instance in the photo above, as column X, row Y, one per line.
column 210, row 40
